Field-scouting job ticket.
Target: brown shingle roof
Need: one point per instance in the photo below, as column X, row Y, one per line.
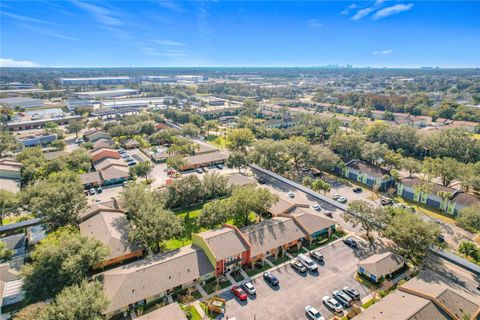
column 154, row 275
column 312, row 222
column 367, row 168
column 91, row 178
column 224, row 242
column 206, row 158
column 271, row 234
column 107, row 162
column 435, row 187
column 382, row 264
column 115, row 172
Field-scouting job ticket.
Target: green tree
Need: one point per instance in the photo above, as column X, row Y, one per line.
column 322, row 158
column 32, row 311
column 184, row 192
column 62, row 259
column 7, row 143
column 271, row 155
column 469, row 218
column 239, row 139
column 470, row 250
column 412, row 235
column 190, row 130
column 135, row 195
column 238, row 160
column 79, row 160
column 247, row 199
column 321, row 186
column 33, row 164
column 215, row 213
column 57, row 200
column 142, row 169
column 5, row 253
column 298, row 151
column 51, row 127
column 347, row 144
column 75, row 127
column 250, row 107
column 411, row 165
column 95, row 123
column 9, row 204
column 363, row 214
column 214, row 185
column 85, row 301
column 176, row 162
column 447, row 169
column 152, row 225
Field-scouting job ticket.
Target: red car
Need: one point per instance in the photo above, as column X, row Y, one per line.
column 239, row 293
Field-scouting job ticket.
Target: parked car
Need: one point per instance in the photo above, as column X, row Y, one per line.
column 79, row 141
column 350, row 242
column 121, row 150
column 352, row 293
column 316, row 255
column 125, row 183
column 99, row 190
column 342, row 199
column 198, row 170
column 271, row 279
column 307, row 262
column 332, row 304
column 386, row 201
column 131, row 163
column 237, row 291
column 219, row 166
column 316, row 207
column 205, row 169
column 261, row 181
column 329, row 214
column 343, row 298
column 91, row 191
column 124, row 156
column 249, row 288
column 313, row 313
column 336, row 196
column 297, row 265
column 441, row 238
column 290, row 194
column 357, row 189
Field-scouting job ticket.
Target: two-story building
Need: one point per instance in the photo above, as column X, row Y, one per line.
column 365, row 173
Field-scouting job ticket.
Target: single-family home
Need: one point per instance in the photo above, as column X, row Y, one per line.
column 154, row 277
column 103, row 153
column 110, row 226
column 226, row 248
column 368, row 174
column 381, row 266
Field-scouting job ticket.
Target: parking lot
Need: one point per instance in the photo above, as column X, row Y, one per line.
column 296, row 291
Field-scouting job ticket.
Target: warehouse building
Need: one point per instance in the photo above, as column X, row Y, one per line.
column 95, row 81
column 106, row 94
column 22, row 102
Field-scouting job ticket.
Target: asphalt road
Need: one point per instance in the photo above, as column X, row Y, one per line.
column 296, row 291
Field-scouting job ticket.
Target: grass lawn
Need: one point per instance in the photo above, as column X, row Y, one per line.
column 212, row 286
column 369, row 303
column 192, row 311
column 279, row 260
column 426, row 211
column 238, row 277
column 257, row 270
column 188, row 215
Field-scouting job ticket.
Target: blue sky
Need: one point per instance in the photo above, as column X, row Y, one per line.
column 233, row 33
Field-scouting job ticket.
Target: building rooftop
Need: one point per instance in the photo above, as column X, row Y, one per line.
column 224, row 242
column 367, row 168
column 169, row 312
column 382, row 264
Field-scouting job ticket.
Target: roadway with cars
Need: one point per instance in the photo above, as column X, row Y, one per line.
column 297, row 290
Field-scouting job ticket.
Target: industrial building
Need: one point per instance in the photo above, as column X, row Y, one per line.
column 22, row 102
column 95, row 81
column 106, row 94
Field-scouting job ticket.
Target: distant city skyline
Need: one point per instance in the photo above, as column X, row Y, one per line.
column 396, row 34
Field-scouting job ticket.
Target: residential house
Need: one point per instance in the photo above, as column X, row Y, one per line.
column 110, row 226
column 114, row 174
column 283, row 206
column 91, row 179
column 204, row 160
column 272, row 237
column 226, row 248
column 108, row 162
column 95, row 135
column 103, row 153
column 427, row 296
column 130, row 144
column 286, row 122
column 381, row 266
column 34, row 140
column 313, row 224
column 363, row 172
column 413, row 190
column 154, row 277
column 470, row 126
column 10, row 175
column 377, row 114
column 50, row 156
column 103, row 143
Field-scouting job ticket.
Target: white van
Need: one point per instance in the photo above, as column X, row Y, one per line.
column 307, row 262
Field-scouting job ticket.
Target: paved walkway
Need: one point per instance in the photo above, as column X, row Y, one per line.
column 244, row 274
column 201, row 290
column 288, row 255
column 201, row 312
column 230, row 278
column 269, row 262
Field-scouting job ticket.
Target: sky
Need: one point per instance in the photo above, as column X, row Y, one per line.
column 167, row 33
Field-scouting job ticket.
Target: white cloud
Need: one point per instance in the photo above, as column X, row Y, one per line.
column 46, row 32
column 169, row 43
column 347, row 10
column 383, row 52
column 103, row 15
column 362, row 14
column 379, row 2
column 22, row 18
column 314, row 23
column 170, row 5
column 390, row 11
column 8, row 62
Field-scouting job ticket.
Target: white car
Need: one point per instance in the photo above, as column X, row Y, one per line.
column 342, row 199
column 249, row 288
column 332, row 304
column 291, row 195
column 313, row 313
column 336, row 196
column 316, row 207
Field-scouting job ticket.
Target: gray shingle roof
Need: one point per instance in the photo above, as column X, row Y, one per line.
column 382, row 264
column 224, row 242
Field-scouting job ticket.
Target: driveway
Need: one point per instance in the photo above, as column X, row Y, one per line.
column 296, row 291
